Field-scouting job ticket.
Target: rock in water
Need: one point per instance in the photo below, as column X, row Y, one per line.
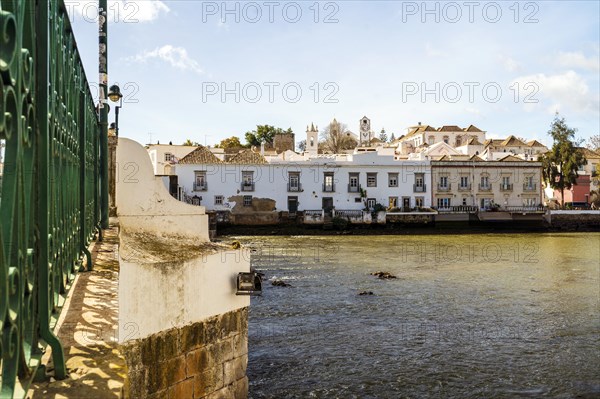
column 366, row 293
column 383, row 275
column 280, row 283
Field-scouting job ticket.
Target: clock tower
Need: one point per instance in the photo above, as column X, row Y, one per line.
column 365, row 131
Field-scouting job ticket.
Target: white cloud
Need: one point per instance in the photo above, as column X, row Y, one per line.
column 471, row 110
column 510, row 64
column 578, row 60
column 567, row 91
column 177, row 57
column 430, row 51
column 127, row 11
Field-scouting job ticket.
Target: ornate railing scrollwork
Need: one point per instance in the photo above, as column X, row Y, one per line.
column 49, row 207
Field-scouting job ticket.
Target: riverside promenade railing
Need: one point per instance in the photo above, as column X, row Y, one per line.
column 49, row 198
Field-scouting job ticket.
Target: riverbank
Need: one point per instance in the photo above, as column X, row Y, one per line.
column 561, row 224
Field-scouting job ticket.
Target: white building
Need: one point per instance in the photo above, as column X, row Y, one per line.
column 341, row 182
column 163, row 156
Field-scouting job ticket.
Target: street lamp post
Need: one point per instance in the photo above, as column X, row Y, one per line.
column 115, row 95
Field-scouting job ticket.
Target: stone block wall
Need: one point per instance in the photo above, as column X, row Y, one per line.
column 574, row 221
column 203, row 360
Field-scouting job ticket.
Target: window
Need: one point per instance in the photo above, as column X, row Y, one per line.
column 168, row 157
column 485, row 182
column 357, row 199
column 443, row 202
column 431, row 140
column 200, row 181
column 464, row 181
column 444, row 182
column 464, row 202
column 247, row 200
column 328, row 182
column 419, row 186
column 458, row 142
column 506, row 183
column 446, row 139
column 196, row 200
column 218, row 200
column 419, row 201
column 393, row 179
column 371, row 179
column 247, row 181
column 393, row 202
column 371, row 203
column 529, row 181
column 294, row 181
column 529, row 201
column 353, row 186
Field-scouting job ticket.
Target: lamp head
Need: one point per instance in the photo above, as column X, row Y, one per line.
column 114, row 93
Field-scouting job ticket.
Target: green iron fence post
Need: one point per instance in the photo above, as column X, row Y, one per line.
column 44, row 261
column 103, row 104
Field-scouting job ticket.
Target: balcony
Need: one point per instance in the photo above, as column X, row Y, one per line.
column 294, row 188
column 457, row 209
column 464, row 187
column 200, row 186
column 247, row 186
column 419, row 188
column 526, row 209
column 353, row 189
column 506, row 187
column 485, row 187
column 444, row 188
column 529, row 187
column 328, row 188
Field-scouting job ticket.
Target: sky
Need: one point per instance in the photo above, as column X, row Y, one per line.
column 205, row 71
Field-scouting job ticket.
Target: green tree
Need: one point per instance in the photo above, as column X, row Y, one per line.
column 231, row 142
column 301, row 145
column 593, row 143
column 264, row 133
column 560, row 164
column 191, row 143
column 392, row 138
column 383, row 136
column 336, row 137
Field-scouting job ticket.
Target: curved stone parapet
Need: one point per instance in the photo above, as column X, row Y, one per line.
column 144, row 204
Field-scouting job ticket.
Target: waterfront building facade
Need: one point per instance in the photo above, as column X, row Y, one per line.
column 347, row 181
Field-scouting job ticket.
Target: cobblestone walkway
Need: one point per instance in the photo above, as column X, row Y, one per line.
column 88, row 332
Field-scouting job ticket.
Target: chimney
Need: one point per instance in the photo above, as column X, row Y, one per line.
column 419, row 123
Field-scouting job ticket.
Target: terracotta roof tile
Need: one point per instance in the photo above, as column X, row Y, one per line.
column 200, row 155
column 248, row 157
column 450, row 128
column 473, row 128
column 512, row 141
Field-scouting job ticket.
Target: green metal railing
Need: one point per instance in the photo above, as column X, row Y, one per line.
column 49, row 198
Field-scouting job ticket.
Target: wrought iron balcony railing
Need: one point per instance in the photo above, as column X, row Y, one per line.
column 419, row 188
column 328, row 188
column 442, row 187
column 354, row 189
column 506, row 187
column 200, row 186
column 247, row 186
column 294, row 188
column 464, row 187
column 529, row 187
column 485, row 187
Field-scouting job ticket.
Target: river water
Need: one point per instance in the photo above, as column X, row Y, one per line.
column 469, row 316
